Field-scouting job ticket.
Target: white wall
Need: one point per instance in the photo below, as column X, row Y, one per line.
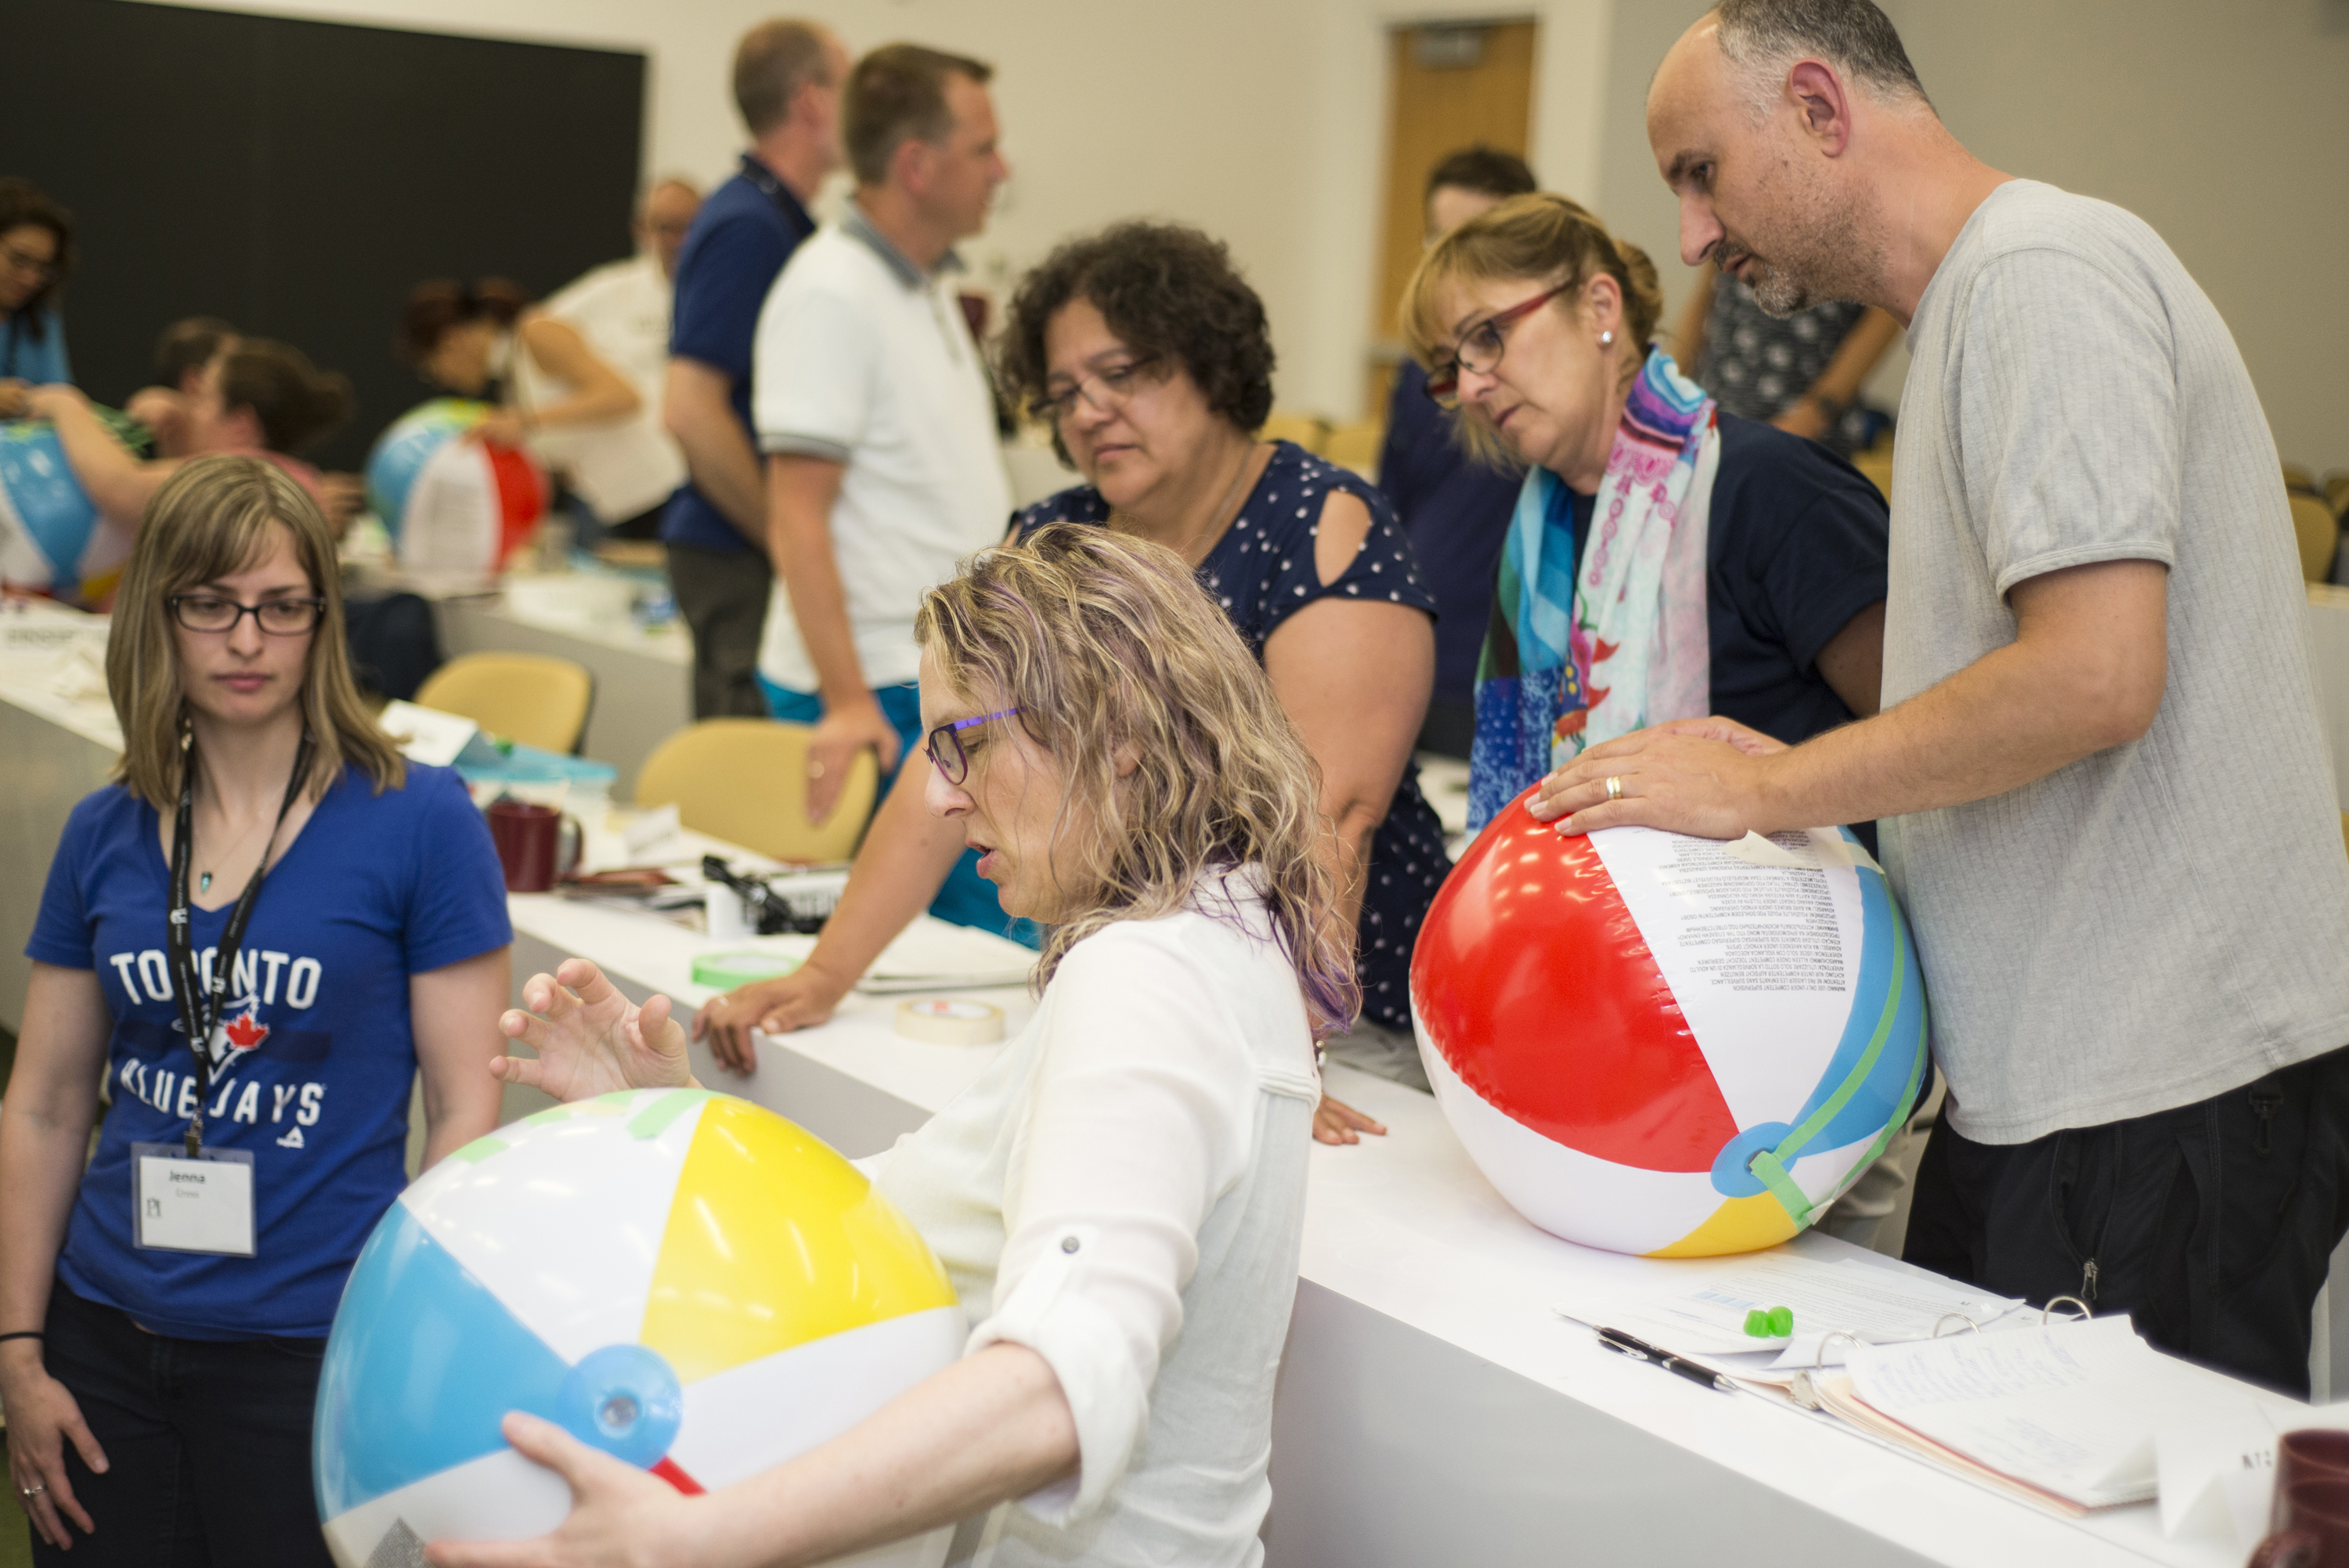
column 2226, row 126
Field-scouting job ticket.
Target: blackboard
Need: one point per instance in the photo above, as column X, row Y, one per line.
column 297, row 177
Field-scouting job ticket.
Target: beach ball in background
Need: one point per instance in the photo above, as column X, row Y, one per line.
column 52, row 540
column 1665, row 1045
column 453, row 508
column 681, row 1279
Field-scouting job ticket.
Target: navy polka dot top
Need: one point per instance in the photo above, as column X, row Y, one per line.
column 1262, row 571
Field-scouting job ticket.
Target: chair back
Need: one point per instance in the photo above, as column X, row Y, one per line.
column 1356, row 446
column 745, row 780
column 2319, row 535
column 1308, row 430
column 534, row 698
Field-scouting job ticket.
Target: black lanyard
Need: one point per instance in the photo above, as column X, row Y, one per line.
column 796, row 215
column 199, row 1018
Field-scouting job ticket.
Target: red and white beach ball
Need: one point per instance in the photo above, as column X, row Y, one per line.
column 1666, row 1045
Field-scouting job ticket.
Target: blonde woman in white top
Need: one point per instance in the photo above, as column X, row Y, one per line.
column 1119, row 1199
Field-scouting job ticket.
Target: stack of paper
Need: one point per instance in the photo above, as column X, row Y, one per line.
column 2067, row 1410
column 932, row 956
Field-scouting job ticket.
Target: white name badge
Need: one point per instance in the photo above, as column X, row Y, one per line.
column 183, row 1206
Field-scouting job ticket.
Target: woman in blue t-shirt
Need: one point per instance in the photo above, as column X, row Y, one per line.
column 345, row 926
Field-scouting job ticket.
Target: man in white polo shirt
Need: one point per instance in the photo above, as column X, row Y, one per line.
column 876, row 415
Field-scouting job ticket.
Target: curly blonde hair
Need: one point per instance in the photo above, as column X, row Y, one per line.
column 1108, row 645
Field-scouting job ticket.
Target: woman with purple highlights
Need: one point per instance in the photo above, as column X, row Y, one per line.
column 1119, row 1200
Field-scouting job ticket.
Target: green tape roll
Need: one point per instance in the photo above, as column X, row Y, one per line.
column 728, row 970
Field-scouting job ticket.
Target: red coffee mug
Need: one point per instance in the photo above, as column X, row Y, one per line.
column 531, row 847
column 2310, row 1526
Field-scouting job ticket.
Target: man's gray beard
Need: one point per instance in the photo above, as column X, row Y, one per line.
column 1778, row 292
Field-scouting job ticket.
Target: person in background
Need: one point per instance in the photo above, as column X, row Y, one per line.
column 1454, row 509
column 554, row 395
column 1119, row 1201
column 2105, row 799
column 877, row 417
column 1152, row 359
column 622, row 309
column 787, row 80
column 259, row 399
column 1801, row 372
column 346, row 929
column 182, row 353
column 35, row 257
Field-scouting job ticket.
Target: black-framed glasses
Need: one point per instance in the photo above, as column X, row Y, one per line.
column 1108, row 389
column 215, row 613
column 1479, row 349
column 945, row 746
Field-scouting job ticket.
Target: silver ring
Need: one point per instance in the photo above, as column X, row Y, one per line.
column 36, row 1491
column 1614, row 788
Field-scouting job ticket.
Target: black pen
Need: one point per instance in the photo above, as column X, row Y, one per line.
column 1622, row 1344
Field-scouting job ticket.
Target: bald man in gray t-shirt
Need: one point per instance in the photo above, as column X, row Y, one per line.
column 2103, row 794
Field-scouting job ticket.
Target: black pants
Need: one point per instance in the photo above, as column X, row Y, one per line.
column 723, row 598
column 207, row 1444
column 2212, row 1225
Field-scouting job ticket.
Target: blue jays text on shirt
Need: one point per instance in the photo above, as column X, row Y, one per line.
column 156, row 1069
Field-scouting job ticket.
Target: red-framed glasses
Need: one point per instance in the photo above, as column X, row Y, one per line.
column 1480, row 348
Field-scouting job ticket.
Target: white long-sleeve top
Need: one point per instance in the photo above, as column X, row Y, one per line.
column 1124, row 1192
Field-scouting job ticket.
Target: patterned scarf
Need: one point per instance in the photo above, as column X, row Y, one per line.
column 1570, row 662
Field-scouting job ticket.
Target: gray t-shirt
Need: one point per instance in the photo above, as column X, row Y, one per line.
column 2165, row 920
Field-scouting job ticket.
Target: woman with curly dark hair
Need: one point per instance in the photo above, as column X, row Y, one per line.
column 1151, row 359
column 35, row 254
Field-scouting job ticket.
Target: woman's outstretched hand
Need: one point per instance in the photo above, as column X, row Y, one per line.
column 590, row 1039
column 620, row 1517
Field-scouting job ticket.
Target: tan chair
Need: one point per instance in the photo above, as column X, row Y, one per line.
column 2336, row 492
column 1356, row 446
column 2297, row 476
column 1308, row 430
column 2345, row 830
column 745, row 780
column 534, row 698
column 1875, row 464
column 2320, row 536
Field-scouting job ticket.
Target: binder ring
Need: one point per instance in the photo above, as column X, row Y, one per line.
column 2086, row 1312
column 1961, row 1316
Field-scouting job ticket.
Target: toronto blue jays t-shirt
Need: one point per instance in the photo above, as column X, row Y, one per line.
column 314, row 1056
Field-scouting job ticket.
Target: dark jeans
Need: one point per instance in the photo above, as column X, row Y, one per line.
column 723, row 598
column 2212, row 1225
column 208, row 1445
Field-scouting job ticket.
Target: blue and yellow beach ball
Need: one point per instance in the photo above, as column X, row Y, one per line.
column 681, row 1279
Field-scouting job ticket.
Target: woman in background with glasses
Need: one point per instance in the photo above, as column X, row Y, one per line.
column 1738, row 570
column 159, row 1379
column 1151, row 359
column 35, row 255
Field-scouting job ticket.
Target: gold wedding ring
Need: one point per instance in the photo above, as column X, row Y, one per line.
column 815, row 768
column 1614, row 788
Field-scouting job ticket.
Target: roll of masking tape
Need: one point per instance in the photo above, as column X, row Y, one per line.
column 946, row 1021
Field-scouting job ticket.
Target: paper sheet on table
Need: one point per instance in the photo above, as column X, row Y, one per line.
column 1706, row 1315
column 2071, row 1407
column 426, row 735
column 932, row 956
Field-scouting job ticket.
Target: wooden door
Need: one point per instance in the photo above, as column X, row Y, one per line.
column 1450, row 85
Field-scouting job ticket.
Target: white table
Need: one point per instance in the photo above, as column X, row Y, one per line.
column 644, row 679
column 54, row 750
column 1432, row 1407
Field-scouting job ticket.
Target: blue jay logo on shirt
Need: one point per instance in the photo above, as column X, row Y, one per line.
column 152, row 1068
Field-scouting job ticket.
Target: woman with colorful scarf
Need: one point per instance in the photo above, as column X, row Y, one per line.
column 1666, row 560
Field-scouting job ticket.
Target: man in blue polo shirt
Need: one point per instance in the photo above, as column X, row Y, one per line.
column 787, row 81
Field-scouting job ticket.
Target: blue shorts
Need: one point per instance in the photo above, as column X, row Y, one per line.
column 968, row 898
